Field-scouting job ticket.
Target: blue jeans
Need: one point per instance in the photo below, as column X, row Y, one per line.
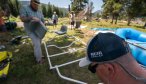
column 37, row 46
column 3, row 28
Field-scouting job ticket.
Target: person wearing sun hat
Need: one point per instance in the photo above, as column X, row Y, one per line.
column 109, row 57
column 33, row 20
column 55, row 19
column 72, row 19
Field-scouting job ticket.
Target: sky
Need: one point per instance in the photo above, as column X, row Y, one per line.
column 64, row 3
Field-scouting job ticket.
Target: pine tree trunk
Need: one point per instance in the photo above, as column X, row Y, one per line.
column 129, row 21
column 116, row 20
column 112, row 19
column 144, row 25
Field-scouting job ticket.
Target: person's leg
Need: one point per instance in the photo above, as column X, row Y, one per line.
column 71, row 25
column 3, row 28
column 54, row 24
column 37, row 47
column 144, row 25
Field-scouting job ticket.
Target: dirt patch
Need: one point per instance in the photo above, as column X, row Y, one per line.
column 5, row 37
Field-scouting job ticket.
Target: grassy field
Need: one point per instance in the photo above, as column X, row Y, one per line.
column 24, row 70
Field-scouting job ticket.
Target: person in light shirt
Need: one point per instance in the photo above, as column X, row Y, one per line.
column 30, row 14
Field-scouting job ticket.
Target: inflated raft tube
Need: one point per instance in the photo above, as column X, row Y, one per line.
column 137, row 43
column 129, row 33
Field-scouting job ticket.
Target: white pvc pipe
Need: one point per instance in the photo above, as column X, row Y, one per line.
column 61, row 65
column 48, row 55
column 61, row 35
column 62, row 47
column 53, row 38
column 66, row 52
column 80, row 40
column 67, row 78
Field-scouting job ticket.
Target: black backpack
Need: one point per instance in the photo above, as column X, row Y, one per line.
column 11, row 25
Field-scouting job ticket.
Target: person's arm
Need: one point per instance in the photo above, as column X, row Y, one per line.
column 42, row 17
column 25, row 19
column 23, row 15
column 43, row 20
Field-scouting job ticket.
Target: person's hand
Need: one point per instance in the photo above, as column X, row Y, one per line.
column 35, row 19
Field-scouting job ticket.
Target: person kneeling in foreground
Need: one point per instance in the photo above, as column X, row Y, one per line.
column 110, row 58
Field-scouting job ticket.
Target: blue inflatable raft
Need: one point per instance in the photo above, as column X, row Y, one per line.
column 137, row 43
column 104, row 29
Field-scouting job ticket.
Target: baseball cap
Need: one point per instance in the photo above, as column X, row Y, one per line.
column 104, row 47
column 36, row 1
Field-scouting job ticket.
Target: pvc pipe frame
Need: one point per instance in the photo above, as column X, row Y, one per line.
column 69, row 79
column 48, row 56
column 61, row 35
column 61, row 65
column 62, row 47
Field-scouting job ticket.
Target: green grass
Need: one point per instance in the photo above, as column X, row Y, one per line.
column 24, row 69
